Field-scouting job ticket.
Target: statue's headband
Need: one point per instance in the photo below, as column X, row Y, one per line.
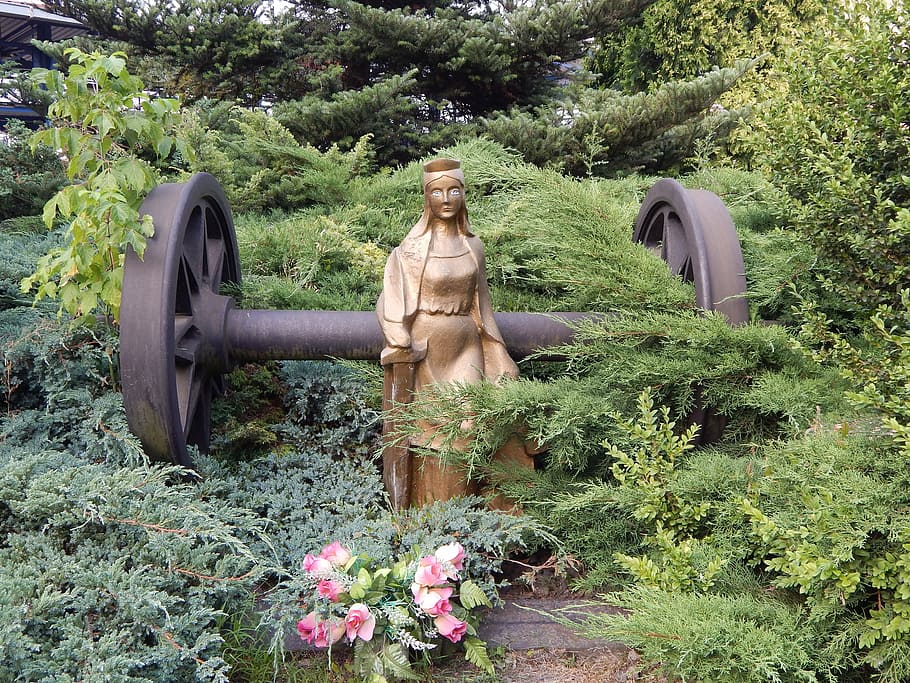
column 442, row 168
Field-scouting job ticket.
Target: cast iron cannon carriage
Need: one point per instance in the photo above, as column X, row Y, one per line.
column 180, row 334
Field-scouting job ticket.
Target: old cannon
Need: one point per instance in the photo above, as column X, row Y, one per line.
column 180, row 334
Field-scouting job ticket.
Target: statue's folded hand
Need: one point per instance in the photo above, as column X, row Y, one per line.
column 398, row 340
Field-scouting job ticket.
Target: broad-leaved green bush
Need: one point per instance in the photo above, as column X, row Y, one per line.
column 828, row 520
column 838, row 144
column 648, row 472
column 815, row 524
column 102, row 120
column 684, row 39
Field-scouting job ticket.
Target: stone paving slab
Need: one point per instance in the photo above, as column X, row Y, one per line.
column 521, row 625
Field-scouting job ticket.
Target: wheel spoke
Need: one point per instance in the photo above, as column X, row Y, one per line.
column 216, row 263
column 198, row 428
column 676, row 250
column 184, row 379
column 187, row 346
column 182, row 326
column 653, row 234
column 185, row 289
column 687, row 272
column 189, row 390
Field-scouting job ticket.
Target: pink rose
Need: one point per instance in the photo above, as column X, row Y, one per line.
column 418, row 591
column 451, row 553
column 436, row 604
column 450, row 627
column 429, row 572
column 306, row 627
column 359, row 622
column 433, row 601
column 336, row 553
column 330, row 589
column 316, row 565
column 328, row 632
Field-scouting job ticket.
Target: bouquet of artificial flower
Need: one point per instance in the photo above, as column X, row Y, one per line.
column 387, row 613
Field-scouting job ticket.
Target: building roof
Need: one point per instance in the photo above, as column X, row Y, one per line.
column 19, row 23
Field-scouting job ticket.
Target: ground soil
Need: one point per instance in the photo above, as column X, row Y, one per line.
column 595, row 665
column 533, row 649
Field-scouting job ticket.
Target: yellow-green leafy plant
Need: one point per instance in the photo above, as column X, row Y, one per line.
column 104, row 124
column 675, row 562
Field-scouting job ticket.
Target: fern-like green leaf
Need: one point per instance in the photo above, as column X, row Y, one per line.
column 366, row 662
column 395, row 662
column 471, row 595
column 475, row 651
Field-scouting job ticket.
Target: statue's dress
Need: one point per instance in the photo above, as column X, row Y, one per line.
column 444, row 322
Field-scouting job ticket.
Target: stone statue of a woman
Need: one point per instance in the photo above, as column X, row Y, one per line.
column 438, row 323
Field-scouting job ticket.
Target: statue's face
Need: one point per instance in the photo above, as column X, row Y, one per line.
column 445, row 197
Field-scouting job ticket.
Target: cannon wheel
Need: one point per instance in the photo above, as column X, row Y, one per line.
column 691, row 230
column 171, row 327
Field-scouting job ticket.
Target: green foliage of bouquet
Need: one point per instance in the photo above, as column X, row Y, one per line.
column 387, row 612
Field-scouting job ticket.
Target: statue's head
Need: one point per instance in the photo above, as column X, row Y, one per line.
column 443, row 193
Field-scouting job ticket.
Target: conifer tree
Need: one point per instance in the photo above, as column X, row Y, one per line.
column 600, row 132
column 224, row 49
column 418, row 75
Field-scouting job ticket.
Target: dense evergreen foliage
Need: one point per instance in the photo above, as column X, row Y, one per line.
column 200, row 48
column 679, row 39
column 418, row 77
column 27, row 178
column 838, row 143
column 139, row 568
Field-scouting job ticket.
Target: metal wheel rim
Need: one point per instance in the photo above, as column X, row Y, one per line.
column 172, row 358
column 692, row 231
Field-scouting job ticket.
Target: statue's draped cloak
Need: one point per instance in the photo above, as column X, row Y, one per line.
column 398, row 304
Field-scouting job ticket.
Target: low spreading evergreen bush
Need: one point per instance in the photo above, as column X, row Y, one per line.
column 262, row 166
column 746, row 636
column 115, row 568
column 110, row 568
column 27, row 178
